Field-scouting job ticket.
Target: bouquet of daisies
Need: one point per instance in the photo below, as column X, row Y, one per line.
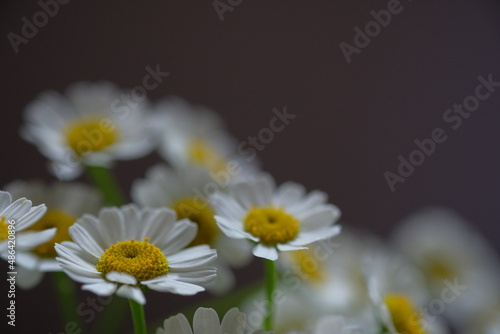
column 207, row 209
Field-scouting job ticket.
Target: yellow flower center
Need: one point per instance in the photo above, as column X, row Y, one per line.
column 199, row 212
column 308, row 267
column 53, row 218
column 405, row 317
column 203, row 154
column 140, row 259
column 4, row 228
column 437, row 267
column 271, row 225
column 90, row 135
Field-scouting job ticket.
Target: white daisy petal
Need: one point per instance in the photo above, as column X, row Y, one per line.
column 176, row 324
column 288, row 247
column 308, row 237
column 182, row 234
column 131, row 292
column 173, row 286
column 31, row 239
column 123, row 278
column 265, row 252
column 233, row 322
column 28, row 279
column 192, row 257
column 31, row 217
column 324, row 216
column 5, row 200
column 85, row 240
column 102, row 288
column 206, row 321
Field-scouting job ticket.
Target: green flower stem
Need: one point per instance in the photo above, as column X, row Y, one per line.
column 107, row 185
column 270, row 267
column 65, row 290
column 108, row 323
column 138, row 317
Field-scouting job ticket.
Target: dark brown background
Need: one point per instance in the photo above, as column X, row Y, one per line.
column 352, row 120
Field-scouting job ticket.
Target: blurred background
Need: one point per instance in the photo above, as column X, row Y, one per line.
column 354, row 115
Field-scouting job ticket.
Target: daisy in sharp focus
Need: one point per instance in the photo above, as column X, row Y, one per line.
column 128, row 250
column 185, row 190
column 206, row 321
column 282, row 218
column 192, row 134
column 92, row 124
column 20, row 214
column 65, row 203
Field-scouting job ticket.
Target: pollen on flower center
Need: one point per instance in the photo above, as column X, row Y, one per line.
column 140, row 259
column 53, row 218
column 271, row 225
column 405, row 317
column 4, row 228
column 308, row 266
column 89, row 135
column 439, row 268
column 203, row 154
column 201, row 213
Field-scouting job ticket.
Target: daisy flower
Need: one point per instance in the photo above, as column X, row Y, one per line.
column 185, row 190
column 399, row 296
column 66, row 202
column 330, row 273
column 275, row 219
column 191, row 134
column 331, row 324
column 449, row 252
column 21, row 214
column 126, row 250
column 93, row 124
column 206, row 321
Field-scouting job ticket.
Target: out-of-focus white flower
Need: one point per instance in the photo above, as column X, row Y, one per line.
column 206, row 321
column 15, row 219
column 185, row 190
column 485, row 320
column 66, row 202
column 334, row 324
column 192, row 134
column 92, row 124
column 399, row 296
column 331, row 272
column 123, row 250
column 450, row 253
column 276, row 219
